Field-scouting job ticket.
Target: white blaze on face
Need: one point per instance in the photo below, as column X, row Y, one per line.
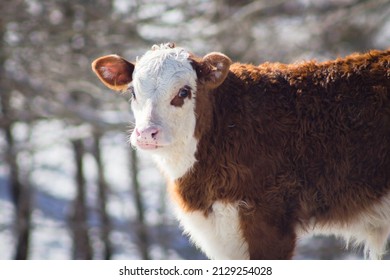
column 165, row 130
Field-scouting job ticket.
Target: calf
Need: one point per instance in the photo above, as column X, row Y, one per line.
column 257, row 156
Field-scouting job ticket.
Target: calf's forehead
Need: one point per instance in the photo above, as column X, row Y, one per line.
column 160, row 71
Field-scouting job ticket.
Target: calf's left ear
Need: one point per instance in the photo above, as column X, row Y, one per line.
column 114, row 71
column 212, row 69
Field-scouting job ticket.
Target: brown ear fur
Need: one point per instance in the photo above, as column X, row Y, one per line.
column 213, row 69
column 114, row 71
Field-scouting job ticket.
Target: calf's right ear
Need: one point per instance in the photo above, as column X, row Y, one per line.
column 114, row 71
column 212, row 69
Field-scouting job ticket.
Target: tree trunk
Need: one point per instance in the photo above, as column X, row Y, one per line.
column 82, row 249
column 142, row 233
column 23, row 224
column 20, row 194
column 102, row 199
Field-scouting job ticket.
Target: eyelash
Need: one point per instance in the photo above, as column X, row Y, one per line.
column 132, row 92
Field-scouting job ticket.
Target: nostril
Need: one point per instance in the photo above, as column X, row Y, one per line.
column 137, row 133
column 154, row 133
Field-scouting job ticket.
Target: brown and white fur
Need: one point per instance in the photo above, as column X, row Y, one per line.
column 257, row 156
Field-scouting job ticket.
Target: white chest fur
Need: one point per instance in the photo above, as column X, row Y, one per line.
column 217, row 234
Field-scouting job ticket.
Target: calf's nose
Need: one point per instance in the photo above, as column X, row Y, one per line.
column 147, row 134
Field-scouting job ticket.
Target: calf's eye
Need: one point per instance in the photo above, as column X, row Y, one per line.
column 178, row 100
column 184, row 92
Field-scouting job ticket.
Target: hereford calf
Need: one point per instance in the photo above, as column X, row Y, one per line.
column 258, row 156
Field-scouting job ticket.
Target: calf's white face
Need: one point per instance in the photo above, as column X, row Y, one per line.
column 163, row 87
column 163, row 83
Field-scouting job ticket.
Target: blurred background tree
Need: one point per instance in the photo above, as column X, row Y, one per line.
column 70, row 186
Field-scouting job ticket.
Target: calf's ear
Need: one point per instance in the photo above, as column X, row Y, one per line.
column 212, row 69
column 114, row 71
